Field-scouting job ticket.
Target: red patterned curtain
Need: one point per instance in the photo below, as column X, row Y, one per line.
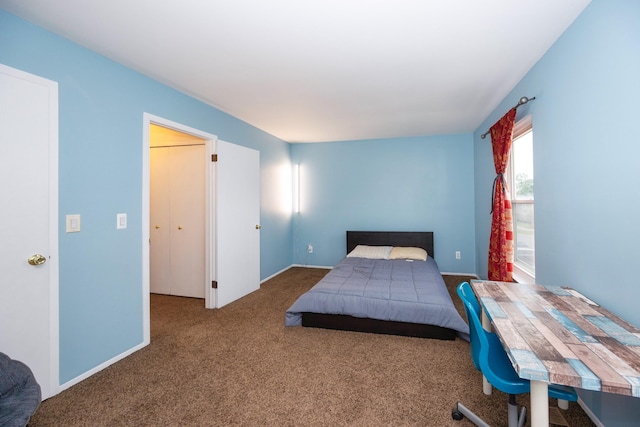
column 501, row 239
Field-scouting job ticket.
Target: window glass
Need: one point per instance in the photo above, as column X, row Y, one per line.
column 520, row 175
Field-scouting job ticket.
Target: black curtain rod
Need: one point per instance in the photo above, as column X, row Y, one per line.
column 522, row 101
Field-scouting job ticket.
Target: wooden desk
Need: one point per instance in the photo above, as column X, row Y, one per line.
column 555, row 335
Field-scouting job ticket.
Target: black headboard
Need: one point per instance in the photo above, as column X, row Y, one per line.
column 420, row 239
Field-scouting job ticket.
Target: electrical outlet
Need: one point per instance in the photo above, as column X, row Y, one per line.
column 458, row 256
column 121, row 221
column 310, row 248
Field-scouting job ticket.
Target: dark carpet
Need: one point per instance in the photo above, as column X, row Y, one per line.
column 239, row 366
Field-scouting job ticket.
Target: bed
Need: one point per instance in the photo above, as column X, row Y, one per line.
column 369, row 292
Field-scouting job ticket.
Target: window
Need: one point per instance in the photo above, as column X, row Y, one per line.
column 520, row 182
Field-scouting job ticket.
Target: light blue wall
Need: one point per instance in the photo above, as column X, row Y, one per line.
column 101, row 106
column 403, row 184
column 586, row 166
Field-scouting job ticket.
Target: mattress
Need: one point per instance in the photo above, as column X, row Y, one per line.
column 399, row 290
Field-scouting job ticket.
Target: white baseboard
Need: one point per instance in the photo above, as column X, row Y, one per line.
column 275, row 274
column 330, row 267
column 312, row 266
column 590, row 413
column 100, row 367
column 291, row 266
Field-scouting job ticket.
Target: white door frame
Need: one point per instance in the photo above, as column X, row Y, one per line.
column 211, row 139
column 53, row 252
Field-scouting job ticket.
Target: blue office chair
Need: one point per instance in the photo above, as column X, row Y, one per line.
column 489, row 356
column 466, row 294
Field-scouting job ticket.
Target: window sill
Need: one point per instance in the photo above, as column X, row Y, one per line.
column 521, row 276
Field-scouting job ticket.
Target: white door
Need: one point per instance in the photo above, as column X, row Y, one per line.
column 160, row 234
column 28, row 224
column 187, row 221
column 177, row 254
column 238, row 222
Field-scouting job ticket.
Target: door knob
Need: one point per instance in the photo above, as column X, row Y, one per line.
column 258, row 226
column 157, row 226
column 179, row 227
column 36, row 259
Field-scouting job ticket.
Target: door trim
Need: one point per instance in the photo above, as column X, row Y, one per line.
column 54, row 273
column 211, row 139
column 53, row 262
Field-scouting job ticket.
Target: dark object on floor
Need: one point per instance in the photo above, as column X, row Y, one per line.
column 20, row 393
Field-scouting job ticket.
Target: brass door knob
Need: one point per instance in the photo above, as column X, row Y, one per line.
column 37, row 259
column 179, row 227
column 157, row 226
column 258, row 226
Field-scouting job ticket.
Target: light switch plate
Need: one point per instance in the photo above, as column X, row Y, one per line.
column 73, row 223
column 121, row 221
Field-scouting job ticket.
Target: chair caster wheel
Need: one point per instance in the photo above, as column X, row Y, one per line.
column 456, row 415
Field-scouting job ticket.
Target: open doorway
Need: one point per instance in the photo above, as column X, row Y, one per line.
column 208, row 141
column 177, row 213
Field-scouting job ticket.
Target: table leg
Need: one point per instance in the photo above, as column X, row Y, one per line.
column 539, row 404
column 487, row 388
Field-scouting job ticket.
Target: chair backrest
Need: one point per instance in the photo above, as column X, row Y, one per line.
column 471, row 304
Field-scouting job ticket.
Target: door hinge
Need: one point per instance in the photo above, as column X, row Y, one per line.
column 214, row 284
column 214, row 157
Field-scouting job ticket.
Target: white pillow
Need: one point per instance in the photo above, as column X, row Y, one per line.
column 400, row 252
column 371, row 252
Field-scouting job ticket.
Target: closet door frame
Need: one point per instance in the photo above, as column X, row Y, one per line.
column 211, row 139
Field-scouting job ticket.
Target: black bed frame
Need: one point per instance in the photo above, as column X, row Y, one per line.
column 421, row 239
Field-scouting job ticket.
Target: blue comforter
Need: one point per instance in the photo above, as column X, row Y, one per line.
column 398, row 290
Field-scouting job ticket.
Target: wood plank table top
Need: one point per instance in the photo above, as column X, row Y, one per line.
column 558, row 336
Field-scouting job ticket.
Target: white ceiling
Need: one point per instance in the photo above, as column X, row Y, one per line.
column 323, row 70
